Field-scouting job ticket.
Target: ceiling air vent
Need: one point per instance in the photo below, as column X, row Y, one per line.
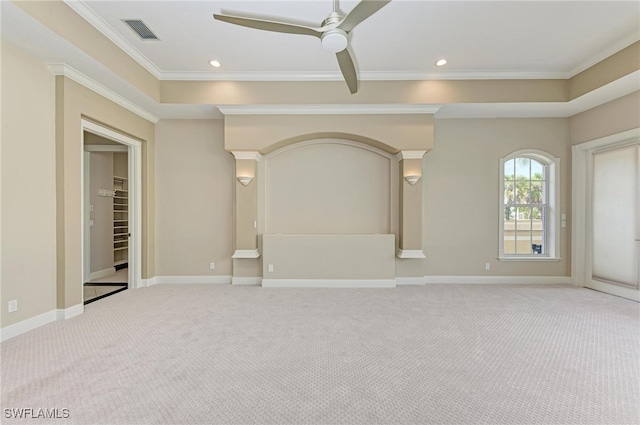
column 141, row 29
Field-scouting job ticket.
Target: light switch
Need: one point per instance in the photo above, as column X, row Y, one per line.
column 90, row 223
column 90, row 208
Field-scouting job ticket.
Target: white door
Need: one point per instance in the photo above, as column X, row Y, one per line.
column 614, row 242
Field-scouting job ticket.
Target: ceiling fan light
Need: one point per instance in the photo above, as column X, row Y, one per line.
column 334, row 40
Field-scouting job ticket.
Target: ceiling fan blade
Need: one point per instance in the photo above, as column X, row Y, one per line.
column 362, row 11
column 348, row 70
column 265, row 25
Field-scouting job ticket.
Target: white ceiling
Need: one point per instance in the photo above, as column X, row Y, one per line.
column 481, row 39
column 549, row 39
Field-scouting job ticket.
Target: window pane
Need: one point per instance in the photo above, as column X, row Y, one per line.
column 509, row 193
column 536, row 194
column 522, row 190
column 537, row 170
column 509, row 230
column 524, row 242
column 524, row 214
column 509, row 169
column 523, row 168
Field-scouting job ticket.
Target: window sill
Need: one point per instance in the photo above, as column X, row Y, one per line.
column 530, row 258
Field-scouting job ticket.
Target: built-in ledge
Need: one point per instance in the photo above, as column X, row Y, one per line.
column 246, row 253
column 410, row 253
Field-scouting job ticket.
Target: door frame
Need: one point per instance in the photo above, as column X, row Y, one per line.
column 581, row 185
column 134, row 150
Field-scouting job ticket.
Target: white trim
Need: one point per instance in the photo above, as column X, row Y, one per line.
column 145, row 283
column 363, row 76
column 373, row 109
column 68, row 313
column 246, row 253
column 253, row 155
column 410, row 281
column 91, row 84
column 105, row 148
column 246, row 281
column 410, row 155
column 410, row 253
column 102, row 273
column 609, row 141
column 610, row 51
column 582, row 157
column 552, row 233
column 329, row 283
column 215, row 280
column 520, row 280
column 85, row 185
column 530, row 258
column 135, row 195
column 27, row 325
column 94, row 19
column 617, row 290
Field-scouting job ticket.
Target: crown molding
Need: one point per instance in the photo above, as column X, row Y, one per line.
column 613, row 49
column 80, row 78
column 374, row 109
column 363, row 76
column 81, row 8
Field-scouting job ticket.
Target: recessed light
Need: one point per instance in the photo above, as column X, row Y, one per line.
column 441, row 62
column 215, row 64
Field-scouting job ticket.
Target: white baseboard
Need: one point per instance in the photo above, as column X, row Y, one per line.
column 145, row 283
column 68, row 313
column 102, row 273
column 189, row 279
column 329, row 283
column 246, row 281
column 27, row 325
column 402, row 281
column 499, row 279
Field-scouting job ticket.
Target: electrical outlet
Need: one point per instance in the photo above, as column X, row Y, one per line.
column 270, row 268
column 13, row 306
column 487, row 266
column 212, row 266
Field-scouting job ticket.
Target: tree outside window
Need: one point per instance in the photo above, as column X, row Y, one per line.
column 525, row 206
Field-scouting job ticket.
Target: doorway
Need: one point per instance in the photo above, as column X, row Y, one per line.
column 609, row 224
column 111, row 200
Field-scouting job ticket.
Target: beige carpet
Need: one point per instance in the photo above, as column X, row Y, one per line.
column 440, row 354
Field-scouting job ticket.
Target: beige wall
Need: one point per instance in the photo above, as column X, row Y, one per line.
column 329, row 256
column 101, row 233
column 613, row 117
column 328, row 187
column 194, row 195
column 28, row 225
column 266, row 133
column 461, row 181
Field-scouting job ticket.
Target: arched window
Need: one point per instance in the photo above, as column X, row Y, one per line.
column 529, row 206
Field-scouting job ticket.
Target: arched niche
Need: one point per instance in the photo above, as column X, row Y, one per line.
column 329, row 186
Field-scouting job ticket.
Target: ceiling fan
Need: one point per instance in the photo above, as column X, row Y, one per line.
column 332, row 33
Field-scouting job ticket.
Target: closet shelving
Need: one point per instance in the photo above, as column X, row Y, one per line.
column 120, row 222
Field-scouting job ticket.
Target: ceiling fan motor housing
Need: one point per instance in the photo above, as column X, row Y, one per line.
column 334, row 40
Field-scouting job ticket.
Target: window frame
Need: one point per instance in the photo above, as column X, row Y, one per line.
column 552, row 208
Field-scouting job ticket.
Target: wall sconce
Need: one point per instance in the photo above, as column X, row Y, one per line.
column 413, row 179
column 244, row 180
